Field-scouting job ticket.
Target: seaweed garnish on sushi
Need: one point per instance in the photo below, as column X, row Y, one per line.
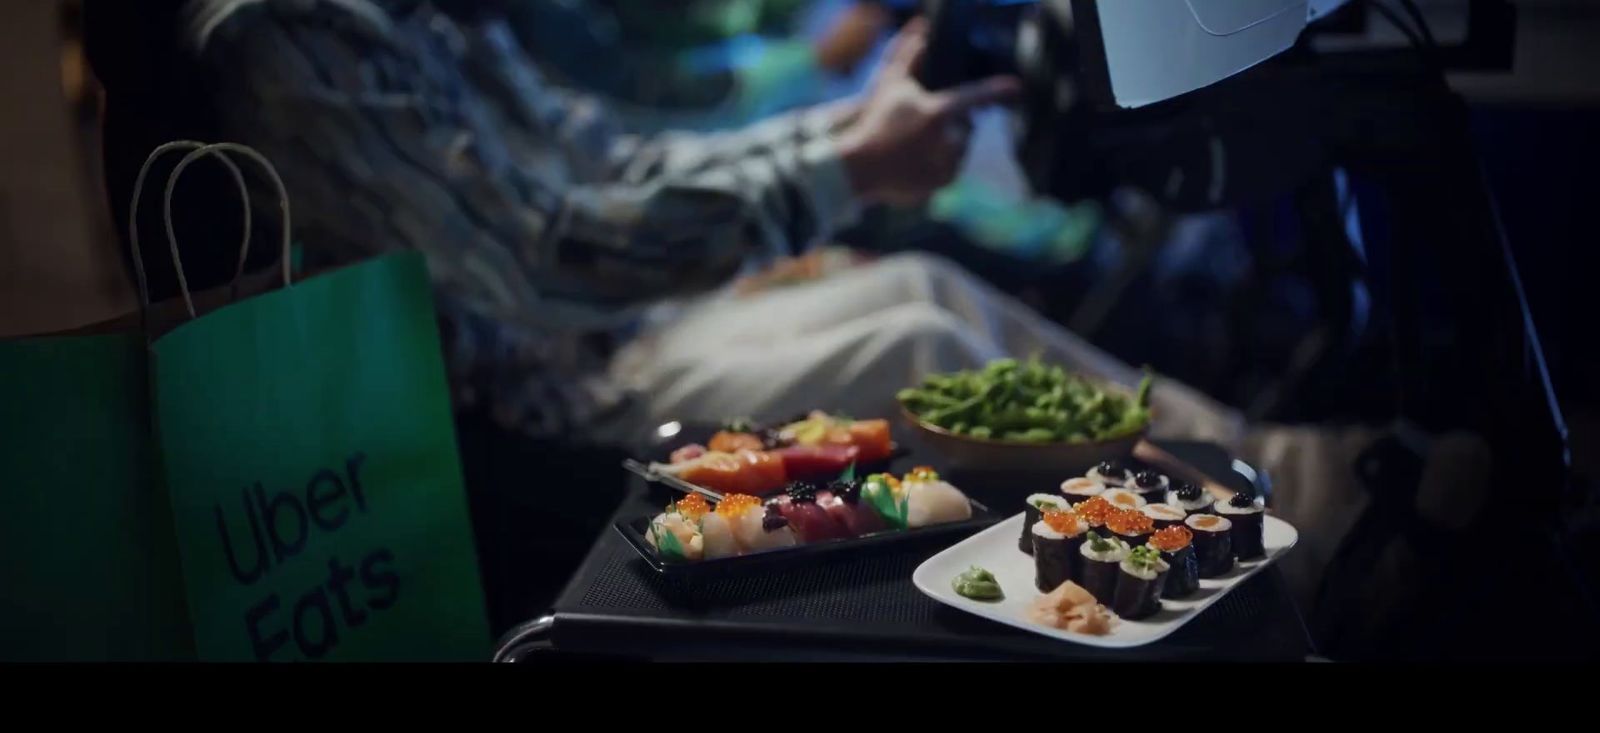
column 1139, row 582
column 1102, row 558
column 1248, row 518
column 1033, row 510
column 675, row 532
column 1056, row 539
column 1176, row 545
column 842, row 501
column 1213, row 546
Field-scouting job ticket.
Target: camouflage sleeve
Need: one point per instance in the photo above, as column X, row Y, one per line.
column 385, row 144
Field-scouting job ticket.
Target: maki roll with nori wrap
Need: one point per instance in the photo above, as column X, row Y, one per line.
column 1213, row 546
column 1123, row 499
column 1056, row 538
column 1033, row 511
column 1149, row 485
column 1176, row 545
column 1249, row 525
column 1102, row 559
column 1130, row 526
column 1110, row 473
column 1191, row 498
column 1094, row 511
column 1078, row 490
column 1139, row 583
column 1164, row 515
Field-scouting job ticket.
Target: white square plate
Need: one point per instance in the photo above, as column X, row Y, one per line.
column 995, row 550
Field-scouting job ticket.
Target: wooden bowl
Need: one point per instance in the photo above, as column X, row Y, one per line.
column 966, row 453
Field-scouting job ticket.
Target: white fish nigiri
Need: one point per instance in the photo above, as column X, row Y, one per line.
column 718, row 536
column 755, row 536
column 935, row 502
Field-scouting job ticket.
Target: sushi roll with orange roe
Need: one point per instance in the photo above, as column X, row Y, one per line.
column 1032, row 511
column 1130, row 526
column 1056, row 538
column 1176, row 545
column 1094, row 511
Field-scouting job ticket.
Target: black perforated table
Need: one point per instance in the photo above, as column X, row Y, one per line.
column 861, row 607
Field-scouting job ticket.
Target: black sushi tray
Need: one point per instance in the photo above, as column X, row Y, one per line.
column 857, row 602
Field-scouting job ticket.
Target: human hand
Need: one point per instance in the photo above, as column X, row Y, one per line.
column 905, row 141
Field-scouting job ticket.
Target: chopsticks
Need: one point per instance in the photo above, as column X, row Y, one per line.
column 666, row 479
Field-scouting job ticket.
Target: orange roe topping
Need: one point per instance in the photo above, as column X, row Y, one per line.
column 1066, row 523
column 693, row 506
column 1171, row 539
column 734, row 506
column 922, row 473
column 1094, row 510
column 1129, row 522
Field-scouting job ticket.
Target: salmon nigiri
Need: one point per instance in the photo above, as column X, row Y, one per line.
column 744, row 472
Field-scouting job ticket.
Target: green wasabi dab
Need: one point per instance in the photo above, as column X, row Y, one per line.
column 978, row 584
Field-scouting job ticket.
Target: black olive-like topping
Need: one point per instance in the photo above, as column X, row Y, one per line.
column 1109, row 468
column 847, row 491
column 802, row 491
column 1242, row 500
column 1189, row 492
column 773, row 521
column 1147, row 479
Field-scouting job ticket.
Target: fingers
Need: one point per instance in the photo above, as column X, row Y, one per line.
column 907, row 48
column 972, row 95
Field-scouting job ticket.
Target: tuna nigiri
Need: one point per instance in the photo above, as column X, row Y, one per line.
column 810, row 521
column 842, row 501
column 816, row 462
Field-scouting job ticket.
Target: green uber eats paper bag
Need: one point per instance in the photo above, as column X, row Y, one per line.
column 332, row 394
column 308, row 448
column 89, row 569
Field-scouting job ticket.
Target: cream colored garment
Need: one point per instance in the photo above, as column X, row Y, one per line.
column 852, row 340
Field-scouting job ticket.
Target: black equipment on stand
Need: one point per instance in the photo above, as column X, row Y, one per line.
column 1464, row 353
